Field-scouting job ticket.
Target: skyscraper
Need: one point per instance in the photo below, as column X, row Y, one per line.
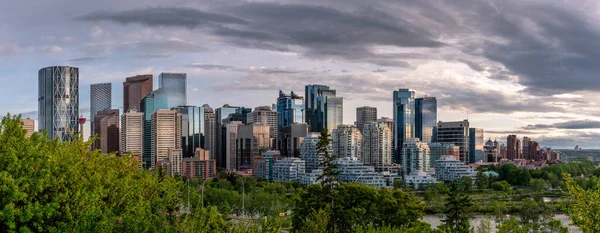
column 526, row 142
column 174, row 85
column 265, row 115
column 475, row 145
column 322, row 108
column 347, row 142
column 106, row 127
column 100, row 99
column 29, row 126
column 416, row 156
column 377, row 145
column 426, row 119
column 252, row 140
column 230, row 143
column 58, row 101
column 198, row 129
column 404, row 120
column 457, row 133
column 166, row 138
column 290, row 110
column 309, row 153
column 513, row 147
column 147, row 106
column 292, row 136
column 365, row 115
column 224, row 115
column 134, row 90
column 132, row 133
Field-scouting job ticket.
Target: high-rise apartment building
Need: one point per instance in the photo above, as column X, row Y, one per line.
column 58, row 101
column 253, row 140
column 106, row 127
column 415, row 156
column 437, row 150
column 390, row 124
column 175, row 88
column 134, row 90
column 292, row 136
column 404, row 120
column 262, row 168
column 513, row 147
column 100, row 99
column 290, row 110
column 166, row 138
column 475, row 145
column 322, row 108
column 199, row 166
column 457, row 133
column 525, row 145
column 365, row 115
column 377, row 145
column 266, row 116
column 289, row 169
column 29, row 126
column 199, row 125
column 347, row 141
column 230, row 143
column 309, row 153
column 225, row 115
column 426, row 119
column 132, row 133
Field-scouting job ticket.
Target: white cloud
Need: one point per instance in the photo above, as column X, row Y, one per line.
column 51, row 49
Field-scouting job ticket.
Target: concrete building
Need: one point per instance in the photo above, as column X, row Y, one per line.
column 449, row 169
column 457, row 133
column 292, row 137
column 290, row 110
column 365, row 115
column 377, row 145
column 262, row 167
column 322, row 108
column 132, row 133
column 475, row 145
column 100, row 99
column 166, row 137
column 513, row 147
column 437, row 150
column 175, row 88
column 29, row 126
column 289, row 169
column 352, row 170
column 347, row 141
column 426, row 119
column 252, row 141
column 266, row 116
column 404, row 120
column 390, row 124
column 106, row 126
column 200, row 166
column 134, row 90
column 525, row 147
column 415, row 156
column 492, row 153
column 309, row 153
column 58, row 101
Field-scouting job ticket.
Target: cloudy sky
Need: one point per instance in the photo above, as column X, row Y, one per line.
column 525, row 67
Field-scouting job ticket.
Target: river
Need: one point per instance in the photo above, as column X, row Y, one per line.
column 436, row 220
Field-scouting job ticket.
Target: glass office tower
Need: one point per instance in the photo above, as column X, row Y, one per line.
column 198, row 129
column 100, row 99
column 404, row 120
column 426, row 119
column 475, row 145
column 174, row 85
column 290, row 110
column 322, row 108
column 222, row 116
column 58, row 101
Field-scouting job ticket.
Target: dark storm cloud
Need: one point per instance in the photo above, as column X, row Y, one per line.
column 579, row 124
column 167, row 16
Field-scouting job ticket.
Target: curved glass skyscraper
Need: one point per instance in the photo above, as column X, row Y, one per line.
column 58, row 101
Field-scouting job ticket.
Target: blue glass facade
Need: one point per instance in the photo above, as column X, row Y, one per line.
column 100, row 99
column 404, row 120
column 223, row 116
column 197, row 129
column 322, row 108
column 290, row 109
column 147, row 107
column 174, row 85
column 58, row 101
column 426, row 119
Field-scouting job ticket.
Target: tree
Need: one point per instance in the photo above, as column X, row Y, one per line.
column 499, row 210
column 482, row 180
column 501, row 186
column 329, row 176
column 584, row 210
column 458, row 210
column 466, row 183
column 538, row 185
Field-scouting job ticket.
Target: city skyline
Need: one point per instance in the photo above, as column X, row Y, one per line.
column 502, row 93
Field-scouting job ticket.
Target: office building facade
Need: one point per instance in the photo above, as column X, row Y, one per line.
column 166, row 137
column 58, row 101
column 476, row 153
column 347, row 141
column 230, row 143
column 134, row 90
column 290, row 110
column 106, row 127
column 437, row 150
column 28, row 126
column 365, row 115
column 404, row 120
column 199, row 125
column 426, row 119
column 456, row 133
column 377, row 145
column 513, row 147
column 132, row 134
column 175, row 88
column 266, row 116
column 225, row 115
column 199, row 166
column 100, row 99
column 252, row 140
column 292, row 137
column 322, row 108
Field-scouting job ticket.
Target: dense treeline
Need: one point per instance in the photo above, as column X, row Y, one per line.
column 53, row 186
